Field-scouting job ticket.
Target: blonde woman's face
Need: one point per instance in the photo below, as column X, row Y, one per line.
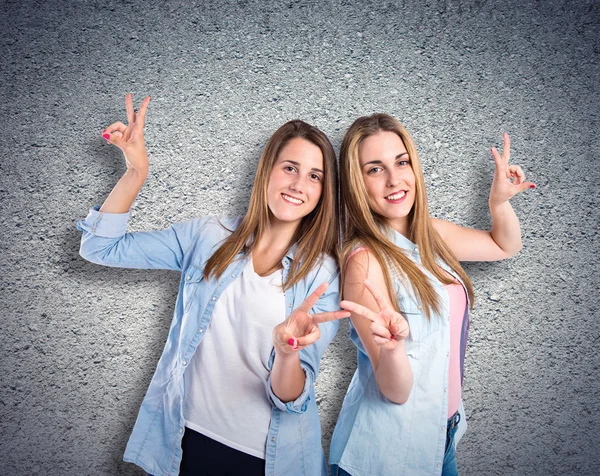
column 296, row 181
column 389, row 178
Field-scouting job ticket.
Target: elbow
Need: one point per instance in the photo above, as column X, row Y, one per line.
column 399, row 398
column 513, row 250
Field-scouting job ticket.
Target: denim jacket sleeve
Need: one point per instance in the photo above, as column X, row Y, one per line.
column 105, row 241
column 310, row 358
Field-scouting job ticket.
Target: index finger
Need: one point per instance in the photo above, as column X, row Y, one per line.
column 360, row 310
column 312, row 299
column 329, row 316
column 141, row 115
column 129, row 108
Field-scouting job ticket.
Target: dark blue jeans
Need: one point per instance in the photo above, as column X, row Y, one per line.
column 448, row 469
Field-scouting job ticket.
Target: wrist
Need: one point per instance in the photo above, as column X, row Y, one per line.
column 137, row 175
column 285, row 357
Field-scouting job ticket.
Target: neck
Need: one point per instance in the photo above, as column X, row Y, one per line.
column 401, row 226
column 272, row 246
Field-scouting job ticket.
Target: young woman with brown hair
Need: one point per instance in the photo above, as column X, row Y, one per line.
column 409, row 299
column 233, row 391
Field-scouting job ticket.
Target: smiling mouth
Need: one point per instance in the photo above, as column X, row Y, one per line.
column 397, row 196
column 292, row 200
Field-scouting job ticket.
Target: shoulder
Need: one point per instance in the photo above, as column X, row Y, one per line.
column 443, row 227
column 361, row 262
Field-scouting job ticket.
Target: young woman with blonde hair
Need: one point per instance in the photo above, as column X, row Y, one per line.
column 409, row 299
column 233, row 390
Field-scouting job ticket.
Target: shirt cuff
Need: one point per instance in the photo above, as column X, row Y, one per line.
column 107, row 225
column 299, row 405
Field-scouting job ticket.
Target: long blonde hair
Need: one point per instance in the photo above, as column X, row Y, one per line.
column 316, row 233
column 360, row 224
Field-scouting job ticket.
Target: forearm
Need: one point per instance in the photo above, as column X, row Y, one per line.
column 125, row 191
column 394, row 375
column 287, row 376
column 506, row 231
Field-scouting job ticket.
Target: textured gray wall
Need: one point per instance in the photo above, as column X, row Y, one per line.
column 80, row 342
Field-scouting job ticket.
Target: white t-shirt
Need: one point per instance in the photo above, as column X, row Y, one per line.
column 225, row 382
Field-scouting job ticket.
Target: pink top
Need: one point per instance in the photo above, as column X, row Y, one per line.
column 458, row 303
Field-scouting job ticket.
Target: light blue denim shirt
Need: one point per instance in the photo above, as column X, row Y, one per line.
column 293, row 445
column 374, row 436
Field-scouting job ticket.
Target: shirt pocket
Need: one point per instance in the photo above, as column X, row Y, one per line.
column 192, row 281
column 421, row 328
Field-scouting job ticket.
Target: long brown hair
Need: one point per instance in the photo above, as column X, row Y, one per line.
column 317, row 232
column 362, row 225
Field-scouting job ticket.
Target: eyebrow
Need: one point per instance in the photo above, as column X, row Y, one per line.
column 378, row 161
column 297, row 164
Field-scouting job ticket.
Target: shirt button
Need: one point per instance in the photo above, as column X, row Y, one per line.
column 272, row 438
column 214, row 298
column 233, row 275
column 184, row 362
column 201, row 331
column 180, row 430
column 438, row 465
column 290, row 305
column 445, row 390
column 187, row 278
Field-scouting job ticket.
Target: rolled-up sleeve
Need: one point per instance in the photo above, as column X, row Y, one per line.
column 299, row 405
column 105, row 241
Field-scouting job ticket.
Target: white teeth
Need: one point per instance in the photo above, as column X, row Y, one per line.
column 297, row 201
column 396, row 196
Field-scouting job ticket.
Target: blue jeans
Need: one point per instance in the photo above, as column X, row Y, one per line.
column 448, row 469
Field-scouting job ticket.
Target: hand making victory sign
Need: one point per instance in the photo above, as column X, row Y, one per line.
column 301, row 328
column 388, row 327
column 509, row 180
column 130, row 138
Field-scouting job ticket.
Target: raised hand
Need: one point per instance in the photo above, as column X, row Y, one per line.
column 301, row 328
column 130, row 138
column 388, row 327
column 509, row 180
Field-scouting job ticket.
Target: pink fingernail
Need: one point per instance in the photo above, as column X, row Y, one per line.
column 291, row 341
column 532, row 186
column 106, row 136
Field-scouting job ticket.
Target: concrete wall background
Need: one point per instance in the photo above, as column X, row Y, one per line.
column 80, row 342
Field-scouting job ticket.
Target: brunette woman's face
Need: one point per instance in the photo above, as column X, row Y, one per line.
column 296, row 181
column 389, row 178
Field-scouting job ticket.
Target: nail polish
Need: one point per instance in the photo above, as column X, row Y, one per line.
column 532, row 186
column 106, row 136
column 291, row 341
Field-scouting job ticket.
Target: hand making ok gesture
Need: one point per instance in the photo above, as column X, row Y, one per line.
column 130, row 138
column 388, row 327
column 301, row 328
column 508, row 179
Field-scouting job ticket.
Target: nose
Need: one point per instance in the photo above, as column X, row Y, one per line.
column 393, row 178
column 297, row 184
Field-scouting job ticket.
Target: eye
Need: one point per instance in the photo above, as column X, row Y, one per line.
column 289, row 168
column 315, row 177
column 403, row 162
column 374, row 170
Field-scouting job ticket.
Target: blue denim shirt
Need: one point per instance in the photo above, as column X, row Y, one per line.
column 374, row 436
column 293, row 445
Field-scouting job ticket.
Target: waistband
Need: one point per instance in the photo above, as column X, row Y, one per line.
column 453, row 421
